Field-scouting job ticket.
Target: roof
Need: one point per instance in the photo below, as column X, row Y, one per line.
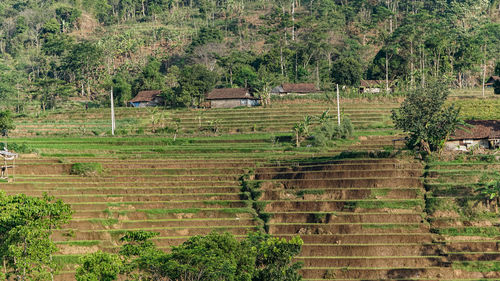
column 230, row 93
column 492, row 79
column 479, row 129
column 146, row 96
column 299, row 88
column 374, row 83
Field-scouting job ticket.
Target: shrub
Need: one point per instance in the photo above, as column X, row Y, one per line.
column 6, row 122
column 19, row 148
column 86, row 169
column 99, row 266
column 330, row 130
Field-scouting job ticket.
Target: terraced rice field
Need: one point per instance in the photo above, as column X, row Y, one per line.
column 132, row 121
column 469, row 230
column 362, row 209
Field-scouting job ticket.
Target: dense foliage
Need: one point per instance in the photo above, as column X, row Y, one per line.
column 51, row 51
column 6, row 122
column 426, row 119
column 26, row 224
column 86, row 169
column 213, row 257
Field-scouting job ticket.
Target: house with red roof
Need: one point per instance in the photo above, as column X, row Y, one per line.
column 295, row 88
column 147, row 98
column 231, row 97
column 476, row 134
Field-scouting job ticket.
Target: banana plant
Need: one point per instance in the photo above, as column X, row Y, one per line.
column 490, row 194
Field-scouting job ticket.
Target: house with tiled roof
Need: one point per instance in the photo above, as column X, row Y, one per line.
column 475, row 134
column 147, row 98
column 231, row 97
column 492, row 80
column 375, row 86
column 295, row 88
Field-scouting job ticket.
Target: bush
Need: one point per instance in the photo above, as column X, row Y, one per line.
column 6, row 122
column 330, row 130
column 86, row 169
column 19, row 148
column 99, row 266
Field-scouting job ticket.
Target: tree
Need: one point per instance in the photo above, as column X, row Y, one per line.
column 6, row 122
column 138, row 252
column 98, row 266
column 68, row 16
column 274, row 257
column 11, row 81
column 214, row 257
column 122, row 89
column 425, row 118
column 26, row 224
column 347, row 71
column 82, row 64
column 245, row 76
column 194, row 82
column 151, row 77
column 49, row 91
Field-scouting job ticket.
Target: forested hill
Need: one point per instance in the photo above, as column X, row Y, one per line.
column 55, row 50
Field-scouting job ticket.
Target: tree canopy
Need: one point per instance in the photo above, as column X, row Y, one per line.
column 26, row 224
column 216, row 256
column 83, row 48
column 426, row 118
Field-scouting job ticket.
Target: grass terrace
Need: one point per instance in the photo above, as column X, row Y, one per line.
column 365, row 209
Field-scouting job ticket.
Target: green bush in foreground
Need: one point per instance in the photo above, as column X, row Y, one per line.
column 86, row 169
column 98, row 266
column 26, row 225
column 214, row 257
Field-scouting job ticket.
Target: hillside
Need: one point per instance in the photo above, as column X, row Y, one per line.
column 53, row 52
column 365, row 209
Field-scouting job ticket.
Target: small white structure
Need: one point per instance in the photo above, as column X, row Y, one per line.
column 7, row 156
column 231, row 97
column 477, row 134
column 375, row 86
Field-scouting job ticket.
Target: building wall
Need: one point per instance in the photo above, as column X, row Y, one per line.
column 145, row 104
column 465, row 145
column 230, row 103
column 371, row 90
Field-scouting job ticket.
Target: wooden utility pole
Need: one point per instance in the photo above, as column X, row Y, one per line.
column 338, row 105
column 112, row 114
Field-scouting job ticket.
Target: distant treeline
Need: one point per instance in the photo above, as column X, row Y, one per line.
column 51, row 50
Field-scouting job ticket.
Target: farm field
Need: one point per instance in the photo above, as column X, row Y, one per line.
column 365, row 210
